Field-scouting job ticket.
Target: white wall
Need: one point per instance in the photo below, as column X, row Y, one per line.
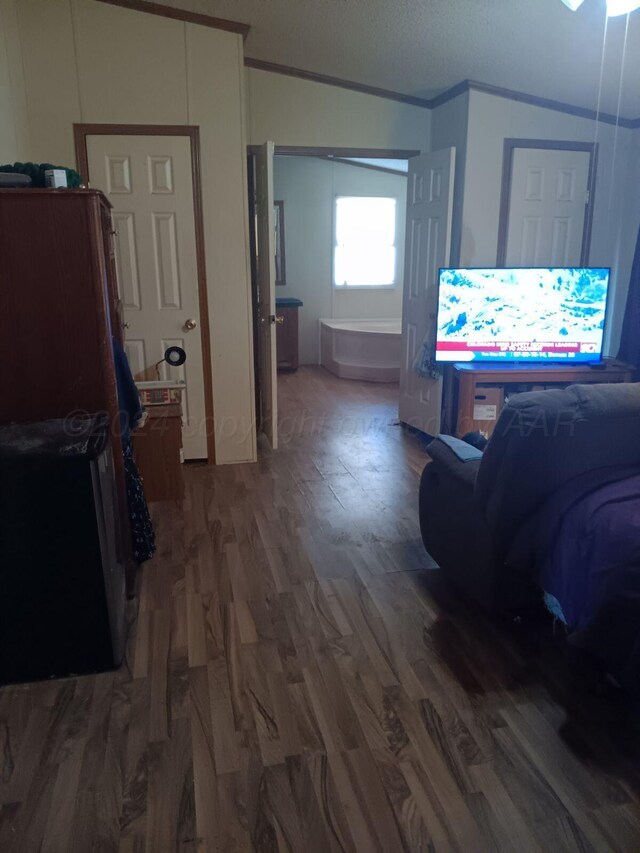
column 13, row 119
column 291, row 111
column 492, row 119
column 449, row 128
column 85, row 61
column 308, row 187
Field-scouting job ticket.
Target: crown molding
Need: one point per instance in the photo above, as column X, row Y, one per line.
column 181, row 15
column 551, row 104
column 289, row 71
column 461, row 88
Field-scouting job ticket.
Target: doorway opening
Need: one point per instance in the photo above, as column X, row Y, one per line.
column 342, row 262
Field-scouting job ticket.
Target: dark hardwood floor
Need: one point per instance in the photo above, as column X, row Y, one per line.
column 301, row 678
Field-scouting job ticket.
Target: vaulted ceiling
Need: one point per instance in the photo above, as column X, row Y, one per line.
column 422, row 47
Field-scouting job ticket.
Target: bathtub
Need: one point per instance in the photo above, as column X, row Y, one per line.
column 361, row 349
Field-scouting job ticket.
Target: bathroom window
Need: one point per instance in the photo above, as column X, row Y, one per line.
column 364, row 253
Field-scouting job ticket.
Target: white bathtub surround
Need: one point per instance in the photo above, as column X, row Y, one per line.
column 361, row 349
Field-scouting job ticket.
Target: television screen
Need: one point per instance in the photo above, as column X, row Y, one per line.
column 521, row 315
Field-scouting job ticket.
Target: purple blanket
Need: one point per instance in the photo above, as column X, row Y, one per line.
column 596, row 552
column 582, row 547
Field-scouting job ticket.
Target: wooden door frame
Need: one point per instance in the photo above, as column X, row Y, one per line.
column 510, row 146
column 80, row 134
column 253, row 265
column 327, row 153
column 316, row 151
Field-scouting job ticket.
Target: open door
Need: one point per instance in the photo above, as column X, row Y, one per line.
column 427, row 249
column 266, row 239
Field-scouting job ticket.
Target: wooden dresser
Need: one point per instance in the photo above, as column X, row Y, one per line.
column 57, row 304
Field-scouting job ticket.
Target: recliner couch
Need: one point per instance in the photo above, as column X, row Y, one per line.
column 479, row 512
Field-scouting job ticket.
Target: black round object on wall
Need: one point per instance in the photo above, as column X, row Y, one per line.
column 175, row 356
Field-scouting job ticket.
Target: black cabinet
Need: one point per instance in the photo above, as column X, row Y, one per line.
column 62, row 580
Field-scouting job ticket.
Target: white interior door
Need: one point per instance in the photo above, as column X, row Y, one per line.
column 427, row 248
column 547, row 207
column 266, row 239
column 148, row 181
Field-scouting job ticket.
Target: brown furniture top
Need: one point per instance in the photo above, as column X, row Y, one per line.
column 469, row 376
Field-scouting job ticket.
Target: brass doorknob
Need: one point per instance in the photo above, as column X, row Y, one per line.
column 190, row 325
column 279, row 319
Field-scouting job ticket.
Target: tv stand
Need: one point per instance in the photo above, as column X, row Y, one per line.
column 469, row 375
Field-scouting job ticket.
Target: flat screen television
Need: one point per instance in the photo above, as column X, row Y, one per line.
column 534, row 315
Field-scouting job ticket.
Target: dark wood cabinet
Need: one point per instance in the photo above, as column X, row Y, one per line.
column 58, row 297
column 471, row 378
column 157, row 447
column 57, row 305
column 287, row 333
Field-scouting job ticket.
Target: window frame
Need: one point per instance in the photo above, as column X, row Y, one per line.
column 397, row 269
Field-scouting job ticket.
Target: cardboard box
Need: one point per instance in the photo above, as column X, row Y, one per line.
column 487, row 406
column 55, row 178
column 160, row 392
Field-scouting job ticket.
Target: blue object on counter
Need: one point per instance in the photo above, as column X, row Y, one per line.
column 288, row 301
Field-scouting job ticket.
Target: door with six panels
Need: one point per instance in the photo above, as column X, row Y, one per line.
column 148, row 180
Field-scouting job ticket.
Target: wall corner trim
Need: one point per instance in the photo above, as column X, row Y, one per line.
column 449, row 94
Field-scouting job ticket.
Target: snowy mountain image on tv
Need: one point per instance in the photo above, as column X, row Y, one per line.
column 536, row 315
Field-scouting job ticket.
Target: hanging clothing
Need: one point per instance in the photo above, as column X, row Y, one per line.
column 143, row 538
column 128, row 396
column 424, row 363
